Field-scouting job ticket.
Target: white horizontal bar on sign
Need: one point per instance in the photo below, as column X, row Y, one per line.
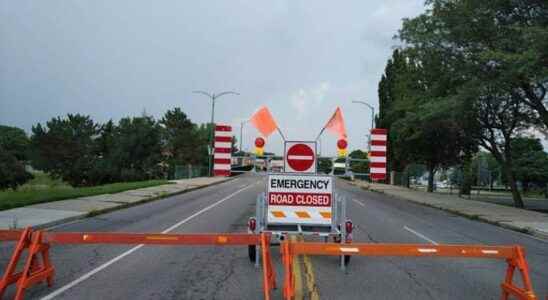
column 222, row 155
column 377, row 159
column 300, row 157
column 226, row 145
column 378, row 148
column 223, row 133
column 221, row 167
column 378, row 137
column 377, row 170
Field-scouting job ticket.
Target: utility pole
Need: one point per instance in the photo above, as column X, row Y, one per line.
column 213, row 97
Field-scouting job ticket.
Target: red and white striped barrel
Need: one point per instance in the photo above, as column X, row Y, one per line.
column 223, row 149
column 377, row 155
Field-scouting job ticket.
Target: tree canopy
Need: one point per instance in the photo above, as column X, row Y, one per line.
column 470, row 73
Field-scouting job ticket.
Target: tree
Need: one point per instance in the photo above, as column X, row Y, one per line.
column 497, row 52
column 180, row 139
column 138, row 152
column 425, row 126
column 485, row 169
column 203, row 133
column 64, row 148
column 530, row 162
column 359, row 166
column 13, row 150
column 14, row 141
column 105, row 168
column 12, row 171
column 325, row 165
column 234, row 145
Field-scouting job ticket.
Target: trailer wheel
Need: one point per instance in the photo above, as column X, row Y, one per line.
column 347, row 260
column 252, row 252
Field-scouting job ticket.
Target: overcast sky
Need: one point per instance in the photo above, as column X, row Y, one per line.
column 111, row 59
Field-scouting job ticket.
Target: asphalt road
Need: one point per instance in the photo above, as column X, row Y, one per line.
column 155, row 272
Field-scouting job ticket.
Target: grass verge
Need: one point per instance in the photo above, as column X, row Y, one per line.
column 48, row 193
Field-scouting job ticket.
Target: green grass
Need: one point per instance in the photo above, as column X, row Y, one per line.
column 45, row 189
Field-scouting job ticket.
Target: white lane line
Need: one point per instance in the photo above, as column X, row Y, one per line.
column 359, row 202
column 422, row 236
column 117, row 258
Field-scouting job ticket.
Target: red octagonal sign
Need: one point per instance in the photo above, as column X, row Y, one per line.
column 300, row 158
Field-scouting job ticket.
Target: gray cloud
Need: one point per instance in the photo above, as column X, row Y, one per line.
column 112, row 59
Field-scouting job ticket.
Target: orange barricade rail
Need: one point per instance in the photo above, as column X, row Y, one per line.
column 38, row 243
column 514, row 256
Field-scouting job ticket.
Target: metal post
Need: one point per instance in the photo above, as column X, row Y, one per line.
column 241, row 133
column 211, row 137
column 372, row 120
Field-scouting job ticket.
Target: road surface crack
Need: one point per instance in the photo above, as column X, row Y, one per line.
column 413, row 277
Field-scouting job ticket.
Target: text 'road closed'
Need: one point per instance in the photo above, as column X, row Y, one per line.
column 299, row 199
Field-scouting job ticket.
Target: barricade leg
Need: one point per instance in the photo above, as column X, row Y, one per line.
column 508, row 288
column 289, row 281
column 10, row 276
column 269, row 276
column 35, row 271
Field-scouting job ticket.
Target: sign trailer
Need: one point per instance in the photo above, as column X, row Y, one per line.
column 301, row 202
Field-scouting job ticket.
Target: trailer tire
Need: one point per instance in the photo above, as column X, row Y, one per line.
column 347, row 260
column 252, row 252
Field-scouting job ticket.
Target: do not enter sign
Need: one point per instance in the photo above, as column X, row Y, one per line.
column 300, row 157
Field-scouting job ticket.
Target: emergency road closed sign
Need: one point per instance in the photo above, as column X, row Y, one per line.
column 299, row 199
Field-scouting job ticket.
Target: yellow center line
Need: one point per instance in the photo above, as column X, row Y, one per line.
column 309, row 278
column 298, row 274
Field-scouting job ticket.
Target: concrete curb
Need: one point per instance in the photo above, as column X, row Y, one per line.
column 126, row 205
column 525, row 230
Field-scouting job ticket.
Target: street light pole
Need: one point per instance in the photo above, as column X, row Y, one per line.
column 213, row 97
column 241, row 133
column 372, row 118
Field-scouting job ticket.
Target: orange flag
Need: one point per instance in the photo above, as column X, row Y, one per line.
column 336, row 124
column 263, row 121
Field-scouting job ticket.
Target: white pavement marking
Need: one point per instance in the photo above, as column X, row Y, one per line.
column 422, row 236
column 358, row 202
column 119, row 257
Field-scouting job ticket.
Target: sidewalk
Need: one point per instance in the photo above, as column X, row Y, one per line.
column 52, row 213
column 532, row 222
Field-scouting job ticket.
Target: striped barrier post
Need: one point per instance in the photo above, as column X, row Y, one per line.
column 222, row 156
column 377, row 155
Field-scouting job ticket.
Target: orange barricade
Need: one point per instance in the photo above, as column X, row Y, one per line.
column 38, row 243
column 514, row 256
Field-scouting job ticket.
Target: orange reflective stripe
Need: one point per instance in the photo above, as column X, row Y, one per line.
column 278, row 214
column 302, row 214
column 325, row 214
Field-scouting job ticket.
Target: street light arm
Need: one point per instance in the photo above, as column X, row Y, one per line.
column 226, row 93
column 364, row 103
column 203, row 93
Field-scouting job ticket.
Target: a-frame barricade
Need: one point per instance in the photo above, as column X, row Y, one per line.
column 514, row 256
column 38, row 268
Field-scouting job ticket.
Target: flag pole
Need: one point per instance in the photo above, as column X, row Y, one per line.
column 320, row 133
column 279, row 131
